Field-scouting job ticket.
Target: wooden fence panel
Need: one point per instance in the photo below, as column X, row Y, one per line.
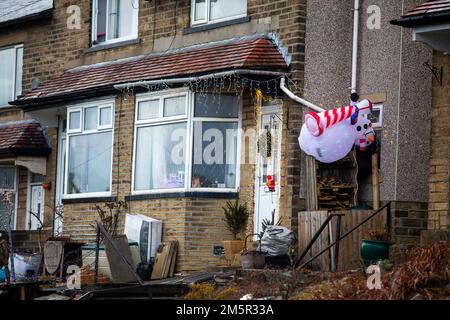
column 349, row 256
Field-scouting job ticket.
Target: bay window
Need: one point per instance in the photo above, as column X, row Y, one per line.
column 211, row 11
column 11, row 62
column 186, row 142
column 114, row 20
column 89, row 150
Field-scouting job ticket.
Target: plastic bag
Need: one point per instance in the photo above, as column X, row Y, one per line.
column 277, row 240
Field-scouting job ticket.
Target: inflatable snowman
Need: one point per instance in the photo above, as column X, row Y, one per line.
column 330, row 135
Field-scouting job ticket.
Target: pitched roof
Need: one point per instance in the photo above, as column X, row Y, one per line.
column 23, row 138
column 255, row 52
column 429, row 7
column 432, row 11
column 16, row 10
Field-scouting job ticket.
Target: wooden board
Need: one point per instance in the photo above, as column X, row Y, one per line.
column 165, row 260
column 53, row 252
column 174, row 259
column 120, row 271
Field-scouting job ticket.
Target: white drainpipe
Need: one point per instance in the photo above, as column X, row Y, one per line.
column 298, row 99
column 355, row 46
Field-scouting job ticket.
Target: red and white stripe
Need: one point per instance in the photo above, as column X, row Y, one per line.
column 318, row 122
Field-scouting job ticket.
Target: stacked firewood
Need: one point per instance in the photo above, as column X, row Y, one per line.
column 334, row 194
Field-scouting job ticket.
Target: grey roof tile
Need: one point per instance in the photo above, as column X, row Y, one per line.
column 11, row 10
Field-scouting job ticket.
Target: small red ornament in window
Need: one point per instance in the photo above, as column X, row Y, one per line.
column 270, row 183
column 47, row 185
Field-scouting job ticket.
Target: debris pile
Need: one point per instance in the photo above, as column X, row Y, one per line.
column 87, row 274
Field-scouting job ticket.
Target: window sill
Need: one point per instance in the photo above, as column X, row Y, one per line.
column 208, row 195
column 211, row 26
column 108, row 46
column 89, row 200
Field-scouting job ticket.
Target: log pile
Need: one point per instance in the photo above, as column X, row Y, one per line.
column 334, row 194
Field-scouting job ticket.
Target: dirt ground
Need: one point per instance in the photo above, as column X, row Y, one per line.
column 424, row 276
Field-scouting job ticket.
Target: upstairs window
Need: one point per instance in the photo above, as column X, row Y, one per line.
column 212, row 11
column 11, row 62
column 114, row 21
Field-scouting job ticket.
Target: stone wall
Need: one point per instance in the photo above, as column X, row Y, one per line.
column 50, row 47
column 439, row 199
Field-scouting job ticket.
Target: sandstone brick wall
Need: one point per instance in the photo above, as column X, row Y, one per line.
column 50, row 47
column 439, row 200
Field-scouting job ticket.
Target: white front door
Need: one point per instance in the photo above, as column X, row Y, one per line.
column 268, row 164
column 36, row 207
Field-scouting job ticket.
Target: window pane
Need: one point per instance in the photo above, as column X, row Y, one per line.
column 174, row 106
column 216, row 106
column 128, row 18
column 90, row 118
column 375, row 116
column 105, row 116
column 75, row 118
column 5, row 213
column 148, row 109
column 37, row 178
column 113, row 19
column 101, row 20
column 199, row 10
column 215, row 155
column 160, row 157
column 19, row 66
column 7, row 69
column 220, row 9
column 7, row 178
column 89, row 167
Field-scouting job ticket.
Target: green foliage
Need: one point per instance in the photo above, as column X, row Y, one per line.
column 269, row 222
column 236, row 217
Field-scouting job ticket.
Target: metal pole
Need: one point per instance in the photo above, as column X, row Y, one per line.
column 338, row 236
column 97, row 253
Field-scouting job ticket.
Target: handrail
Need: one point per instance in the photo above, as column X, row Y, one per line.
column 339, row 238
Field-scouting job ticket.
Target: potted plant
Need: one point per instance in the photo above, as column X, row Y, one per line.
column 376, row 247
column 236, row 218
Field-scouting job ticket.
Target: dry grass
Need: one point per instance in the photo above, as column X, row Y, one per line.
column 426, row 272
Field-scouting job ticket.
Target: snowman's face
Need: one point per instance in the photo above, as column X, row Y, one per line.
column 364, row 131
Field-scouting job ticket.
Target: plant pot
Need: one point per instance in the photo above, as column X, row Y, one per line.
column 232, row 247
column 253, row 260
column 373, row 251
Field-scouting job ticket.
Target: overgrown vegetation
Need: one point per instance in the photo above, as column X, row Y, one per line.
column 425, row 274
column 109, row 215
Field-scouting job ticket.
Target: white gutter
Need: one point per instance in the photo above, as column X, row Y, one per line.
column 355, row 46
column 191, row 79
column 298, row 99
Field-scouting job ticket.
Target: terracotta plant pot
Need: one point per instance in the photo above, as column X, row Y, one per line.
column 232, row 247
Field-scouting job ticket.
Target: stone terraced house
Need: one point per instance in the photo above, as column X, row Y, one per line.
column 108, row 100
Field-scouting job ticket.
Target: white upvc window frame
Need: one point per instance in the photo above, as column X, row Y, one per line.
column 207, row 20
column 73, row 133
column 378, row 107
column 134, row 21
column 16, row 87
column 190, row 119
